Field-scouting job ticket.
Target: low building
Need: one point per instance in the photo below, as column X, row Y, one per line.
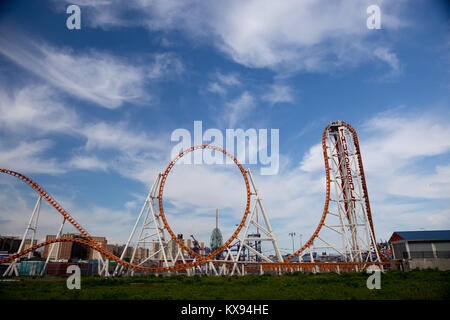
column 422, row 249
column 140, row 254
column 117, row 250
column 94, row 254
column 11, row 244
column 72, row 250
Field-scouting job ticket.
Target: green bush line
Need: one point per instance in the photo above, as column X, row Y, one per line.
column 396, row 285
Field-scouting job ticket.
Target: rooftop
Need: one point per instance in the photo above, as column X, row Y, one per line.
column 432, row 235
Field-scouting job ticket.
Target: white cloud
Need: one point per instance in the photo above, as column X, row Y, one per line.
column 114, row 224
column 221, row 82
column 94, row 76
column 27, row 117
column 188, row 185
column 214, row 87
column 165, row 66
column 26, row 157
column 35, row 110
column 396, row 149
column 87, row 163
column 307, row 35
column 230, row 79
column 391, row 59
column 393, row 146
column 279, row 93
column 238, row 109
column 400, row 138
column 300, row 35
column 119, row 136
column 313, row 160
column 434, row 185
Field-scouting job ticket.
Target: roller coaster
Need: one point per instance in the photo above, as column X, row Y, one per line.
column 346, row 215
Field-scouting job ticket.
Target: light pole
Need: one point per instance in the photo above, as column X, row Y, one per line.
column 292, row 234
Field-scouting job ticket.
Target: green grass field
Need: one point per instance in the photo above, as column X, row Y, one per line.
column 424, row 285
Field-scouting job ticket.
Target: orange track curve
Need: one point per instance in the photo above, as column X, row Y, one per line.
column 327, row 197
column 93, row 244
column 161, row 190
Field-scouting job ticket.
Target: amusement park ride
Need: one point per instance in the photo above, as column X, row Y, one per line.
column 345, row 227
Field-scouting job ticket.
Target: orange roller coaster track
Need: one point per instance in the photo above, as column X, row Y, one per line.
column 90, row 242
column 328, row 187
column 94, row 245
column 161, row 207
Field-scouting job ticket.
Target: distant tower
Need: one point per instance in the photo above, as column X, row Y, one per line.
column 216, row 240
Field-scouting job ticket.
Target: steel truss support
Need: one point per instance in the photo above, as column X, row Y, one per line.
column 245, row 239
column 54, row 245
column 347, row 210
column 32, row 226
column 151, row 231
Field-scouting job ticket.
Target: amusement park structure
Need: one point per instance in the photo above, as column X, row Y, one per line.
column 345, row 227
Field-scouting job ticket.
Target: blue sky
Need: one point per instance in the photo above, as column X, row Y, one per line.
column 89, row 113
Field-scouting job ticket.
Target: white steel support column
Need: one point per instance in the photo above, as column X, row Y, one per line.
column 266, row 229
column 50, row 252
column 151, row 230
column 13, row 266
column 33, row 234
column 147, row 200
column 346, row 246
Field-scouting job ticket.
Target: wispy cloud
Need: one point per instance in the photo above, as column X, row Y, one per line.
column 91, row 163
column 118, row 136
column 313, row 35
column 29, row 157
column 229, row 79
column 279, row 93
column 39, row 114
column 215, row 87
column 164, row 66
column 238, row 109
column 222, row 82
column 91, row 75
column 35, row 110
column 390, row 58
